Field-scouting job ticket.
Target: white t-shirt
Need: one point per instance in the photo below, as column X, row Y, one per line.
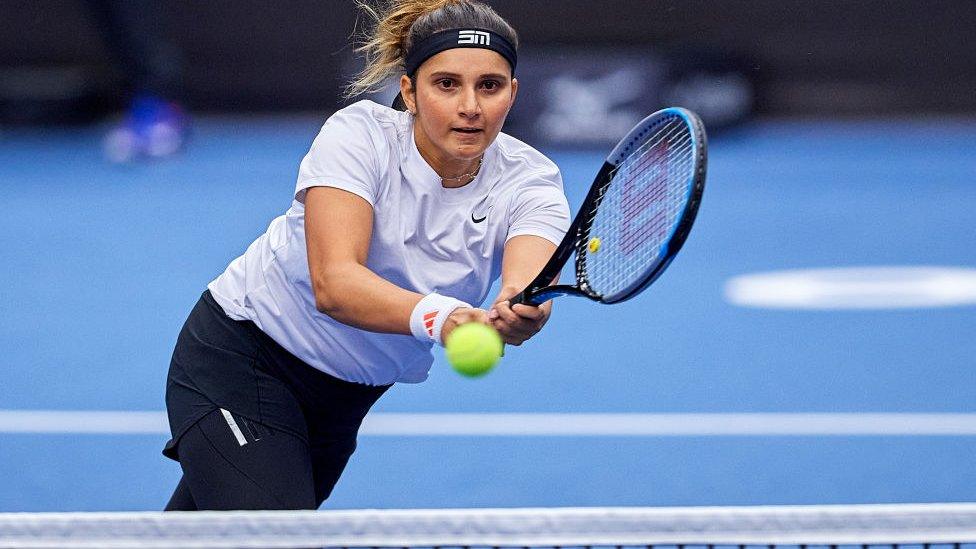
column 426, row 238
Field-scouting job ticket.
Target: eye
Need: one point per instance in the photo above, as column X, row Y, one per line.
column 491, row 85
column 446, row 83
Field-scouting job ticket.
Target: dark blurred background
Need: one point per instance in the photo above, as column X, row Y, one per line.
column 728, row 58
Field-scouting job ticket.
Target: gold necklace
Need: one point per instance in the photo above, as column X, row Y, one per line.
column 469, row 174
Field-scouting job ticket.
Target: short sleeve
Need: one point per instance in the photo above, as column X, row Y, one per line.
column 345, row 154
column 540, row 209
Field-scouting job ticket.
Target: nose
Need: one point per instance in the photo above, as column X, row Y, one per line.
column 468, row 105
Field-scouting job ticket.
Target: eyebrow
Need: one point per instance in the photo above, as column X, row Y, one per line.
column 439, row 74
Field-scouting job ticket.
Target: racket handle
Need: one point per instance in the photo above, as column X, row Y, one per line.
column 541, row 295
column 524, row 299
column 517, row 299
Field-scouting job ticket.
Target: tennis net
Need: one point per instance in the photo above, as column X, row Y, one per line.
column 915, row 526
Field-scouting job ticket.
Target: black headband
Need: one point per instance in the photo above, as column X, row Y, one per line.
column 458, row 38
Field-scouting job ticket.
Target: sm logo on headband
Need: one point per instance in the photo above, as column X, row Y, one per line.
column 474, row 37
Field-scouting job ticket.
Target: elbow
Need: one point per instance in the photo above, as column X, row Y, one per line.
column 334, row 289
column 325, row 305
column 326, row 292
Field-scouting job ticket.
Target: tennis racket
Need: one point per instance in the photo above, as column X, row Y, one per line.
column 636, row 215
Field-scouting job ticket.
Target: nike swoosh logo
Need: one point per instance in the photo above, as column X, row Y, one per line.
column 480, row 203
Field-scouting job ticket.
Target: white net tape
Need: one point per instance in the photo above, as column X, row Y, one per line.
column 568, row 527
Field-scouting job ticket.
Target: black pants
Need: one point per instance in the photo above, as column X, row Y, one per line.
column 253, row 426
column 270, row 470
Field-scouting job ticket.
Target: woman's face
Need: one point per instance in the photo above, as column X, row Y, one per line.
column 461, row 100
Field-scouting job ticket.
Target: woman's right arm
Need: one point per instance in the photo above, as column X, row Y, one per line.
column 338, row 228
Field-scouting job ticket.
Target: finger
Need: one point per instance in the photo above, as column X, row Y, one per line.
column 472, row 315
column 505, row 317
column 514, row 331
column 506, row 313
column 479, row 315
column 513, row 341
column 522, row 325
column 524, row 333
column 508, row 335
column 528, row 311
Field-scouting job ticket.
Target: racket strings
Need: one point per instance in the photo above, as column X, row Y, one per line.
column 645, row 244
column 641, row 154
column 664, row 201
column 660, row 196
column 639, row 209
column 667, row 134
column 671, row 129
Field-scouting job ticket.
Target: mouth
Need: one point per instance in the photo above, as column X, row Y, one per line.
column 467, row 131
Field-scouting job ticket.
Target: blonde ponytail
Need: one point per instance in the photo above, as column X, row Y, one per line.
column 385, row 47
column 398, row 23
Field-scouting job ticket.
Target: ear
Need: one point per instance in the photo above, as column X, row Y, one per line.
column 514, row 92
column 408, row 94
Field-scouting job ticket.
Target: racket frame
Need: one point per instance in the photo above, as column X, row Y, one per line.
column 576, row 240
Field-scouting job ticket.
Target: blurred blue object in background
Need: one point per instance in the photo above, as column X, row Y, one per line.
column 152, row 128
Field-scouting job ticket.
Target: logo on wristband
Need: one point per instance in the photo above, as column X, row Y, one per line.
column 429, row 322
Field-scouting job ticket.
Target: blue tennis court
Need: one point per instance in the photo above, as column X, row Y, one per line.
column 101, row 264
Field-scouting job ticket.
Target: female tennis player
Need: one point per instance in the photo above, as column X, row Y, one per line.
column 401, row 219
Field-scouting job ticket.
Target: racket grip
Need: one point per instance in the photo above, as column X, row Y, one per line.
column 517, row 299
column 541, row 295
column 525, row 298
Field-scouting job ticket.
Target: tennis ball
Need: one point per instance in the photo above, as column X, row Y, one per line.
column 473, row 349
column 594, row 245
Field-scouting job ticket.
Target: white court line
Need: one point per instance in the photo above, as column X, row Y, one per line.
column 678, row 425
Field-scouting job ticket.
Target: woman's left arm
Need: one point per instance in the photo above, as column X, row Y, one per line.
column 524, row 257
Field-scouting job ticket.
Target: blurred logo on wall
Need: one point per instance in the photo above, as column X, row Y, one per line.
column 586, row 97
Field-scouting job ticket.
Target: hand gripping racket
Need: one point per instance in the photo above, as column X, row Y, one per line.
column 637, row 214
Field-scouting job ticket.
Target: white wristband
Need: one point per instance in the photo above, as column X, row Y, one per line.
column 429, row 315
